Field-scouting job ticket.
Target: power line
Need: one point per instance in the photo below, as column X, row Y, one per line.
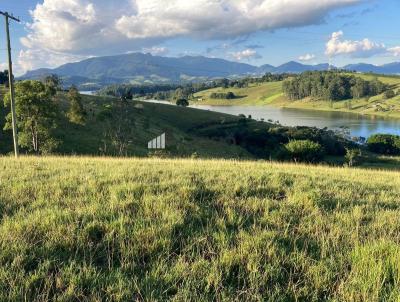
column 7, row 17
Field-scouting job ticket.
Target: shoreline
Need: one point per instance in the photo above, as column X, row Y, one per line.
column 384, row 115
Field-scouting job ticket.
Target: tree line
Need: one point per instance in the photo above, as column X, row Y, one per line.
column 184, row 91
column 331, row 85
column 223, row 95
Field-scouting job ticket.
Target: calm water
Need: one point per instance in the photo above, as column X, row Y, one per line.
column 358, row 125
column 87, row 92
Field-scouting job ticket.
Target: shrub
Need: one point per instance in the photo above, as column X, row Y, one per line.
column 389, row 94
column 182, row 102
column 384, row 144
column 304, row 150
column 353, row 157
column 222, row 95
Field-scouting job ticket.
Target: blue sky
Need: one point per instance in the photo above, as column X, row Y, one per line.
column 258, row 32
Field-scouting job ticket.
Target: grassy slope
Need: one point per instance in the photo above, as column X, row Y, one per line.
column 256, row 94
column 80, row 229
column 150, row 121
column 271, row 94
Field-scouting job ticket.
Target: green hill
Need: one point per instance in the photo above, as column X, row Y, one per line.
column 148, row 121
column 271, row 94
column 85, row 229
column 189, row 132
column 255, row 94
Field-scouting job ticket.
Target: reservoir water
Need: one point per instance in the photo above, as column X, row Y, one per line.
column 357, row 125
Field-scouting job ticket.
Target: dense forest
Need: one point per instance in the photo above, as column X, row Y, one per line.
column 331, row 85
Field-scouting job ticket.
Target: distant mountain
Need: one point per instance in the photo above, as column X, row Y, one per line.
column 266, row 68
column 139, row 68
column 392, row 68
column 295, row 67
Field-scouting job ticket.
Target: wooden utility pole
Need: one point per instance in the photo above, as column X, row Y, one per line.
column 11, row 81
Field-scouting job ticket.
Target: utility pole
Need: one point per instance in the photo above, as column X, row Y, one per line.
column 11, row 81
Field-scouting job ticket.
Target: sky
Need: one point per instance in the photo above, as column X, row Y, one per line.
column 55, row 32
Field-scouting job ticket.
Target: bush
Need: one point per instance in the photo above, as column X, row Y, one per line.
column 384, row 144
column 389, row 94
column 353, row 157
column 222, row 95
column 182, row 102
column 304, row 151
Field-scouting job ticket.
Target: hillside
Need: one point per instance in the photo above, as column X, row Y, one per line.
column 271, row 94
column 86, row 229
column 147, row 122
column 139, row 68
column 255, row 94
column 124, row 128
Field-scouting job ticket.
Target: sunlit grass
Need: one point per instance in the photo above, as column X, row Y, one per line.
column 271, row 94
column 255, row 94
column 103, row 229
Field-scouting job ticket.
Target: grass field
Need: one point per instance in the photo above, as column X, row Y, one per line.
column 86, row 229
column 271, row 94
column 256, row 94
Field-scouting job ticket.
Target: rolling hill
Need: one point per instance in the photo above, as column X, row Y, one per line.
column 271, row 94
column 391, row 68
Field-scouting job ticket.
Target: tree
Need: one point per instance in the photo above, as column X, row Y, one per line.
column 304, row 150
column 180, row 94
column 119, row 127
column 230, row 95
column 353, row 157
column 53, row 82
column 384, row 144
column 389, row 94
column 182, row 102
column 36, row 114
column 76, row 113
column 4, row 78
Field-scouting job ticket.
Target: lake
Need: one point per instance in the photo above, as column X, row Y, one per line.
column 88, row 92
column 358, row 125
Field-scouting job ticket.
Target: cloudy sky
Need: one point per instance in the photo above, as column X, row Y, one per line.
column 259, row 32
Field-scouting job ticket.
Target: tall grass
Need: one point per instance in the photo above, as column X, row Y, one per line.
column 82, row 229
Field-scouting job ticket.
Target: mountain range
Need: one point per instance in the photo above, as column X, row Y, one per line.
column 139, row 68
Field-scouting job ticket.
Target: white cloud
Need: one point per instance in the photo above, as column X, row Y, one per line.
column 3, row 66
column 98, row 27
column 157, row 51
column 220, row 18
column 361, row 49
column 395, row 51
column 247, row 54
column 34, row 58
column 307, row 57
